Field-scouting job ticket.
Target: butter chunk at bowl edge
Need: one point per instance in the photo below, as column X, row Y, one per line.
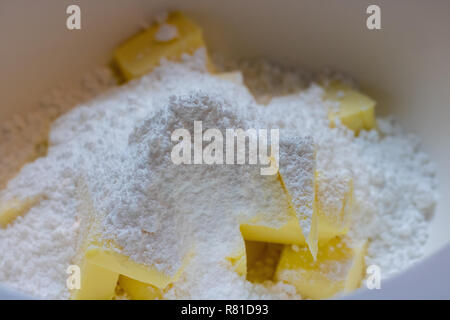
column 143, row 52
column 338, row 268
column 356, row 110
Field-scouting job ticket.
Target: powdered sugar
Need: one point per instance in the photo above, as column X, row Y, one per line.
column 24, row 136
column 162, row 214
column 297, row 167
column 401, row 181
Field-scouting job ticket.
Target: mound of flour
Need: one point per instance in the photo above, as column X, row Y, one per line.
column 119, row 142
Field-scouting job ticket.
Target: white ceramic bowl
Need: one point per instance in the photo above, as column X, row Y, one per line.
column 405, row 66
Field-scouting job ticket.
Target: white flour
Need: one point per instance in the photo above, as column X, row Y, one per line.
column 120, row 144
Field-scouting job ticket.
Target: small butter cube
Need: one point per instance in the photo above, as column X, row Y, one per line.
column 106, row 256
column 356, row 110
column 143, row 52
column 289, row 233
column 337, row 268
column 12, row 209
column 97, row 283
column 334, row 199
column 297, row 159
column 95, row 254
column 296, row 197
column 137, row 290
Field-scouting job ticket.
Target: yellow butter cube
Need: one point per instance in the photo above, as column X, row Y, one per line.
column 143, row 52
column 356, row 110
column 289, row 233
column 297, row 159
column 337, row 268
column 137, row 290
column 333, row 219
column 296, row 203
column 97, row 283
column 301, row 224
column 12, row 209
column 96, row 254
column 106, row 256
